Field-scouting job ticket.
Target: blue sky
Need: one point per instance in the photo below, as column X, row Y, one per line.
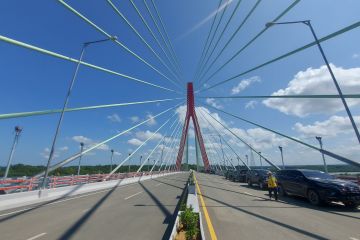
column 32, row 81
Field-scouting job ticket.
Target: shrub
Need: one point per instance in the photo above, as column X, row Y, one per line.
column 190, row 220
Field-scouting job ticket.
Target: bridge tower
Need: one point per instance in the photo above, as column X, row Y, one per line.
column 190, row 113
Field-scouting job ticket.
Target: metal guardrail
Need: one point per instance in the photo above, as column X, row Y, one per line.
column 29, row 184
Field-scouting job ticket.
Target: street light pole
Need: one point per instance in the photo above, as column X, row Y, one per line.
column 52, row 151
column 129, row 162
column 81, row 150
column 282, row 157
column 247, row 159
column 260, row 160
column 16, row 139
column 111, row 159
column 140, row 159
column 308, row 23
column 323, row 156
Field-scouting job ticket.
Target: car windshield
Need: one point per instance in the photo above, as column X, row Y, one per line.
column 317, row 175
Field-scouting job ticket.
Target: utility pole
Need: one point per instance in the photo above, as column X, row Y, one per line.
column 81, row 150
column 111, row 159
column 323, row 156
column 282, row 157
column 16, row 139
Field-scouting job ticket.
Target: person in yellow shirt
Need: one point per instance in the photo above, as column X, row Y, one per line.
column 272, row 186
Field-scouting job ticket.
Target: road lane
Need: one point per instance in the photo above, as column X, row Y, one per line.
column 239, row 212
column 106, row 215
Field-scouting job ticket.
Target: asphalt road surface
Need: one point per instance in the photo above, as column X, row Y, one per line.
column 144, row 210
column 239, row 212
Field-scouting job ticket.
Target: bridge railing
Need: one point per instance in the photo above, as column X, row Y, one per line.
column 28, row 184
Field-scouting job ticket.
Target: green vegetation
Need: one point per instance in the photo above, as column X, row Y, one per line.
column 191, row 179
column 20, row 170
column 190, row 222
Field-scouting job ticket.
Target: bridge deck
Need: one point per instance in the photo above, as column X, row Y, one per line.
column 138, row 211
column 239, row 212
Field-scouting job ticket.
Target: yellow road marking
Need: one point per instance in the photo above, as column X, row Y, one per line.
column 206, row 214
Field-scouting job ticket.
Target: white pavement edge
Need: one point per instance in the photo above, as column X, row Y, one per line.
column 21, row 199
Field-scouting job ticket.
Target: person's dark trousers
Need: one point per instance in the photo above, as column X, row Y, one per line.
column 275, row 193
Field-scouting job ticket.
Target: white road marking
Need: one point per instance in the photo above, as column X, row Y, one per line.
column 133, row 195
column 352, row 238
column 37, row 236
column 158, row 184
column 9, row 213
column 249, row 194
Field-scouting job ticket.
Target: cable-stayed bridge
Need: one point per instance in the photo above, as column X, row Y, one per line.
column 139, row 197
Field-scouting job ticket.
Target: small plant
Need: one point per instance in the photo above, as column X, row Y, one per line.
column 190, row 220
column 191, row 179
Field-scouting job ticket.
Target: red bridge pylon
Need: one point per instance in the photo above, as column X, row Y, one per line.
column 190, row 113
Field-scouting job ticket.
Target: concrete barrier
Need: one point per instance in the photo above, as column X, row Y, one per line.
column 21, row 199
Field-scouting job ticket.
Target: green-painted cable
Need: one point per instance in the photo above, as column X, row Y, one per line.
column 232, row 37
column 157, row 27
column 330, row 36
column 291, row 6
column 213, row 36
column 222, row 34
column 331, row 154
column 109, row 36
column 166, row 34
column 153, row 35
column 287, row 96
column 45, row 112
column 206, row 42
column 57, row 55
column 77, row 155
column 118, row 12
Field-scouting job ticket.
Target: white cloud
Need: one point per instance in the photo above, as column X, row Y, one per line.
column 356, row 55
column 134, row 119
column 114, row 118
column 64, row 149
column 331, row 127
column 152, row 120
column 317, row 81
column 82, row 139
column 147, row 134
column 213, row 103
column 88, row 142
column 135, row 142
column 243, row 84
column 251, row 104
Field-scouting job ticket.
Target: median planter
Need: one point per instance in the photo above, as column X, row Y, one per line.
column 188, row 227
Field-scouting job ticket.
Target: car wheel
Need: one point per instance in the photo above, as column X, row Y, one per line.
column 352, row 205
column 249, row 183
column 261, row 185
column 282, row 191
column 314, row 198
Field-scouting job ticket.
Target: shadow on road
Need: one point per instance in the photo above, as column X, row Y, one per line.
column 169, row 217
column 76, row 226
column 166, row 183
column 295, row 229
column 40, row 205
